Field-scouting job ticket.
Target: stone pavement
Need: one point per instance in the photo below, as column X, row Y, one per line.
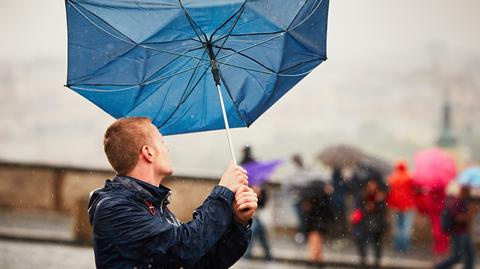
column 31, row 237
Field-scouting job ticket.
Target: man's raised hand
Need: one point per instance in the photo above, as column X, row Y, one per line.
column 234, row 177
column 245, row 204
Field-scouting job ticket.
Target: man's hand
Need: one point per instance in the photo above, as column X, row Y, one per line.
column 245, row 204
column 234, row 177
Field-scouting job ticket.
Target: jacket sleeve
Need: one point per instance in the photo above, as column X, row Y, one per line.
column 138, row 235
column 229, row 249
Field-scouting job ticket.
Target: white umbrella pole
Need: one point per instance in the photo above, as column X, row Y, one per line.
column 227, row 127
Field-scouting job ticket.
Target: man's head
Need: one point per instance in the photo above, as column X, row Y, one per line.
column 133, row 143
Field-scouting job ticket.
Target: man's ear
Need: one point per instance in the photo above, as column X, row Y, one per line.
column 147, row 153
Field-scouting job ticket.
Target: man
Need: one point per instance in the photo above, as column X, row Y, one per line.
column 132, row 225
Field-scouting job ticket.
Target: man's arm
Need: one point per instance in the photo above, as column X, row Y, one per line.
column 234, row 242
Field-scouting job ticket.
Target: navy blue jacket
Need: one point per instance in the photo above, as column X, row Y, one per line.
column 133, row 228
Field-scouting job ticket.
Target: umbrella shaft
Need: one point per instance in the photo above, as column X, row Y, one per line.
column 213, row 64
column 227, row 127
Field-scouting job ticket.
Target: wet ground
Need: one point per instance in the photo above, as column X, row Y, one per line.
column 22, row 255
column 41, row 229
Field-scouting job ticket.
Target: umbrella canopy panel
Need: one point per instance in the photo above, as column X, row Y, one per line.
column 151, row 58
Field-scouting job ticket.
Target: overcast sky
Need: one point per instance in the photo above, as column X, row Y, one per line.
column 381, row 54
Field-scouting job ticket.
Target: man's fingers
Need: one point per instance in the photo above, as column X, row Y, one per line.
column 243, row 192
column 249, row 206
column 242, row 189
column 247, row 199
column 241, row 169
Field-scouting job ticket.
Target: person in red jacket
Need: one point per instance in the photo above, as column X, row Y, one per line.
column 401, row 200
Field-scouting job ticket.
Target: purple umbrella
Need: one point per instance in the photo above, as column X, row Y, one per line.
column 259, row 172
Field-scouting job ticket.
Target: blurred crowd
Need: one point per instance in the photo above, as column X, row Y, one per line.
column 364, row 200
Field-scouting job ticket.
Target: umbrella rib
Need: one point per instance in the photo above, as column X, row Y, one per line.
column 178, row 73
column 178, row 56
column 128, row 87
column 170, row 41
column 247, row 34
column 186, row 97
column 153, row 4
column 80, row 88
column 240, row 10
column 250, row 58
column 171, row 52
column 183, row 98
column 308, row 17
column 271, row 73
column 192, row 22
column 253, row 46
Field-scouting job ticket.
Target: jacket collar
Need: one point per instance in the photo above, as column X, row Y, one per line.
column 144, row 189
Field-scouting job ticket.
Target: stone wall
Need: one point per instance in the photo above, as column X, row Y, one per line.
column 43, row 187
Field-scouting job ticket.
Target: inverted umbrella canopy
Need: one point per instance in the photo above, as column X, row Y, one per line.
column 434, row 168
column 470, row 177
column 156, row 58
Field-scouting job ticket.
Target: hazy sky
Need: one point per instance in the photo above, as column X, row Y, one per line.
column 381, row 54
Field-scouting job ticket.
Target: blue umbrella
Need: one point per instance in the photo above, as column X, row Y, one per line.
column 182, row 62
column 470, row 177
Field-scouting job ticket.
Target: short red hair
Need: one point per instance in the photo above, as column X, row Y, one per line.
column 124, row 140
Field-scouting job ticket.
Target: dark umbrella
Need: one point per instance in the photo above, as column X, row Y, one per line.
column 341, row 156
column 157, row 58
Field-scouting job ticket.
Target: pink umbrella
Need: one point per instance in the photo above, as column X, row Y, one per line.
column 434, row 168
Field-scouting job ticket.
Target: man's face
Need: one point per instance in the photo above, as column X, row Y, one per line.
column 162, row 162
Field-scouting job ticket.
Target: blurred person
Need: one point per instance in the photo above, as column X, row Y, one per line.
column 316, row 204
column 361, row 175
column 247, row 155
column 401, row 200
column 258, row 228
column 338, row 203
column 369, row 221
column 461, row 211
column 296, row 183
column 132, row 225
